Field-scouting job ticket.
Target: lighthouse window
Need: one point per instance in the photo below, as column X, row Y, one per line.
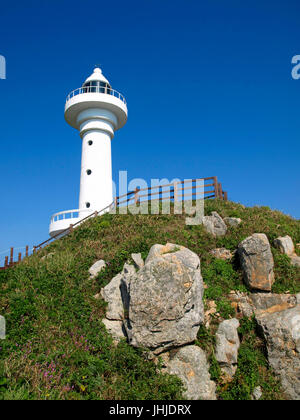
column 89, row 172
column 90, row 142
column 88, row 205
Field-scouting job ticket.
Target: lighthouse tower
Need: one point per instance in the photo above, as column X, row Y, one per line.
column 96, row 111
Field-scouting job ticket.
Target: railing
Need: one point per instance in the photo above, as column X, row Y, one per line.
column 96, row 89
column 177, row 191
column 69, row 214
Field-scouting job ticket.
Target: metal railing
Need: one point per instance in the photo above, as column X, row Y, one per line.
column 97, row 89
column 69, row 214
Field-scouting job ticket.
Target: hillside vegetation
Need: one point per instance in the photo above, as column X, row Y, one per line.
column 57, row 346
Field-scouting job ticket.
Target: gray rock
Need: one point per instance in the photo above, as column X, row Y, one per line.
column 232, row 221
column 257, row 262
column 2, row 328
column 115, row 328
column 227, row 346
column 285, row 245
column 257, row 393
column 272, row 302
column 165, row 306
column 281, row 331
column 295, row 260
column 190, row 365
column 96, row 268
column 138, row 260
column 221, row 253
column 115, row 293
column 242, row 303
column 214, row 224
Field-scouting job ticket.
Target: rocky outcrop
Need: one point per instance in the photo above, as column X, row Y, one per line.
column 165, row 305
column 285, row 245
column 214, row 224
column 190, row 365
column 232, row 221
column 115, row 293
column 138, row 260
column 281, row 331
column 242, row 303
column 227, row 346
column 257, row 262
column 96, row 268
column 221, row 253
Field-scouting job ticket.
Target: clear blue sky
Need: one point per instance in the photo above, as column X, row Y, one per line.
column 209, row 92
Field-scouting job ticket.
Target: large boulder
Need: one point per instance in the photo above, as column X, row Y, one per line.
column 281, row 331
column 285, row 245
column 115, row 293
column 295, row 260
column 190, row 365
column 227, row 346
column 214, row 224
column 257, row 262
column 165, row 299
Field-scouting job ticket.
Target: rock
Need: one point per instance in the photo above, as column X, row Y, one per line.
column 96, row 268
column 295, row 260
column 112, row 293
column 242, row 303
column 51, row 254
column 214, row 224
column 285, row 245
column 138, row 260
column 257, row 262
column 165, row 306
column 264, row 303
column 211, row 309
column 190, row 365
column 227, row 346
column 221, row 253
column 232, row 221
column 281, row 331
column 115, row 328
column 2, row 328
column 257, row 393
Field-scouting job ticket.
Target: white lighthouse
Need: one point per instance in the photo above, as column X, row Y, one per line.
column 97, row 111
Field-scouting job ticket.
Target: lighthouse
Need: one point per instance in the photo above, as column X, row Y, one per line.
column 96, row 110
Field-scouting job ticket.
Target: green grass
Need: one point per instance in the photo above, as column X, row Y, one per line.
column 57, row 346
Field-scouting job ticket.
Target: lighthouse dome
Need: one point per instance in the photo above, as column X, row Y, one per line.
column 96, row 76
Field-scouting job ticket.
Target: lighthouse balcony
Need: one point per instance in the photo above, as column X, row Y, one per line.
column 61, row 221
column 91, row 98
column 97, row 88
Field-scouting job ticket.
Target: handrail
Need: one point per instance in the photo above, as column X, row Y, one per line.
column 96, row 89
column 135, row 195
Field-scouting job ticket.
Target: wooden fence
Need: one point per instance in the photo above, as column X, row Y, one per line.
column 207, row 188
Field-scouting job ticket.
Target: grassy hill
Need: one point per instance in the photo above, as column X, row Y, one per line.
column 57, row 346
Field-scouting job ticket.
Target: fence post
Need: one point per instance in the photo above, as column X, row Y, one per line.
column 11, row 261
column 6, row 262
column 216, row 187
column 136, row 196
column 34, row 249
column 71, row 228
column 116, row 202
column 20, row 257
column 26, row 252
column 225, row 196
column 220, row 191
